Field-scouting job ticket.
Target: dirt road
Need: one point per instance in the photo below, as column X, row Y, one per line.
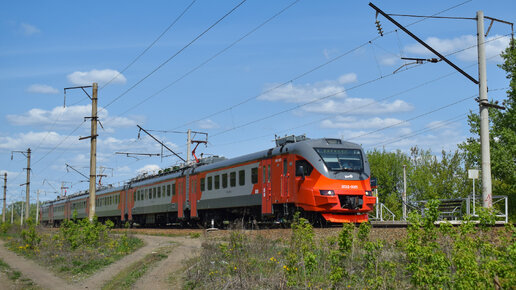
column 156, row 278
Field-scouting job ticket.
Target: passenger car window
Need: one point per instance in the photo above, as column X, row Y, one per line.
column 232, row 179
column 241, row 177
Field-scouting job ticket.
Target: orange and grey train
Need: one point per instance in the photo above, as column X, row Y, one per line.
column 327, row 180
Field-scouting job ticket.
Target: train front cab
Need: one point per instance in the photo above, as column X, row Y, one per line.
column 315, row 180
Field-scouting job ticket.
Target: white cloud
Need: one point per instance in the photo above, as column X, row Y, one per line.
column 302, row 93
column 68, row 117
column 348, row 78
column 352, row 122
column 41, row 89
column 150, row 168
column 494, row 45
column 207, row 124
column 28, row 29
column 353, row 106
column 45, row 139
column 100, row 76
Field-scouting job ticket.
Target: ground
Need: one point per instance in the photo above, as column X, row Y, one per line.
column 178, row 245
column 180, row 248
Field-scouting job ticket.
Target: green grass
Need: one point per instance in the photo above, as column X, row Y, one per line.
column 128, row 277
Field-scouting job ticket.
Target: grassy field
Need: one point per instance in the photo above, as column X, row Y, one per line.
column 445, row 257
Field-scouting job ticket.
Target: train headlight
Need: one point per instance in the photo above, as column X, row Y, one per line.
column 327, row 192
column 368, row 193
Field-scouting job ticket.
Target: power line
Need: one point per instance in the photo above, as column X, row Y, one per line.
column 210, row 59
column 175, row 54
column 151, row 45
column 322, row 98
column 415, row 117
column 419, row 132
column 371, row 41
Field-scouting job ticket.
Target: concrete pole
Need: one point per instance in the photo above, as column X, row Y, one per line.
column 93, row 152
column 27, row 187
column 37, row 207
column 487, row 197
column 5, row 194
column 404, row 197
column 12, row 213
column 188, row 145
column 21, row 216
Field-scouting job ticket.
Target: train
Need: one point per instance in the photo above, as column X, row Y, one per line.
column 327, row 180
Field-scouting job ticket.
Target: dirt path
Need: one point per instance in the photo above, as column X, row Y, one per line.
column 41, row 276
column 158, row 276
column 99, row 279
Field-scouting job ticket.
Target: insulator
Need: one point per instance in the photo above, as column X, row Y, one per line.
column 379, row 27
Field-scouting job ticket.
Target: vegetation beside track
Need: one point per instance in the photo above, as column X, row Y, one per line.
column 78, row 249
column 462, row 257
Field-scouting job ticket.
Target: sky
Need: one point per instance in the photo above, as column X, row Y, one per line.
column 243, row 72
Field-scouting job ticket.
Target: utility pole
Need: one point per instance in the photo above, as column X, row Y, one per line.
column 93, row 143
column 404, row 197
column 21, row 215
column 12, row 213
column 37, row 207
column 93, row 152
column 487, row 197
column 5, row 194
column 27, row 184
column 27, row 187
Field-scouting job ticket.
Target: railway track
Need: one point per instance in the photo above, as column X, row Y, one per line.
column 385, row 233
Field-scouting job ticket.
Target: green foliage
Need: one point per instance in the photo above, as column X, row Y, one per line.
column 83, row 232
column 29, row 236
column 4, row 227
column 301, row 258
column 427, row 262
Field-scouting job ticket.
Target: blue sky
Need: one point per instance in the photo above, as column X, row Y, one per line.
column 318, row 68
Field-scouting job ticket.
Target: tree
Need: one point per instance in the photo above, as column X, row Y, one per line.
column 502, row 129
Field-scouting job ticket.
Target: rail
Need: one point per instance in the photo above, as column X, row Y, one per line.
column 472, row 201
column 379, row 213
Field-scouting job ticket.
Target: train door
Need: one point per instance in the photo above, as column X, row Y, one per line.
column 285, row 177
column 266, row 187
column 193, row 195
column 180, row 197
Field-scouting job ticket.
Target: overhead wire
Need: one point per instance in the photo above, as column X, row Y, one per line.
column 326, row 97
column 175, row 54
column 419, row 132
column 150, row 45
column 311, row 70
column 415, row 117
column 209, row 60
column 148, row 75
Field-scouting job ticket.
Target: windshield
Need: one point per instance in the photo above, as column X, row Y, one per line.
column 341, row 159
